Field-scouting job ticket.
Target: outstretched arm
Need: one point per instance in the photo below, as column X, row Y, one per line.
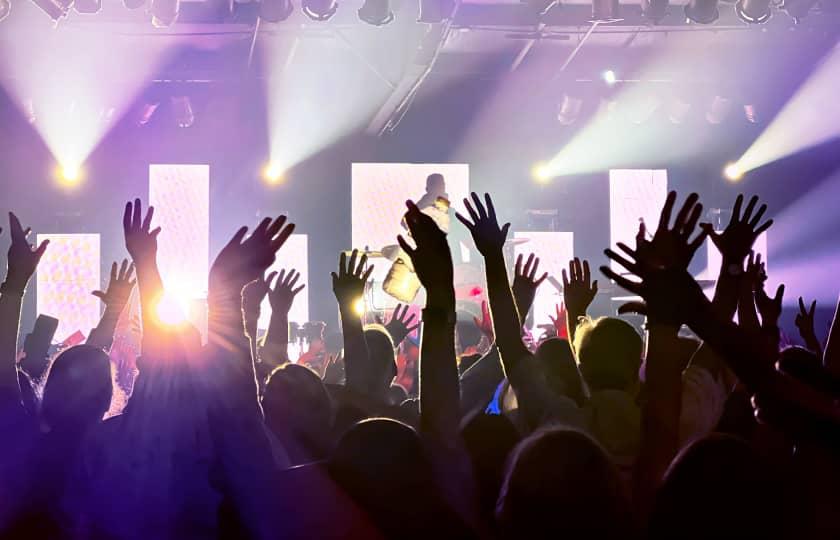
column 805, row 324
column 281, row 298
column 525, row 285
column 578, row 293
column 439, row 384
column 734, row 244
column 400, row 325
column 115, row 299
column 22, row 261
column 252, row 297
column 349, row 288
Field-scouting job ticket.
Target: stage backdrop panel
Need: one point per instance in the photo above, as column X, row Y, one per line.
column 293, row 254
column 379, row 192
column 714, row 258
column 181, row 197
column 555, row 250
column 67, row 274
column 635, row 195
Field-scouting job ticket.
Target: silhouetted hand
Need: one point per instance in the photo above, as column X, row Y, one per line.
column 283, row 295
column 254, row 293
column 140, row 241
column 489, row 238
column 671, row 246
column 244, row 260
column 805, row 324
column 23, row 258
column 525, row 282
column 485, row 323
column 349, row 283
column 116, row 296
column 578, row 289
column 736, row 241
column 400, row 325
column 431, row 258
column 769, row 308
column 667, row 287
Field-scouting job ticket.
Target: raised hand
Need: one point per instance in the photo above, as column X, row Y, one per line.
column 769, row 308
column 431, row 258
column 244, row 260
column 23, row 258
column 400, row 325
column 671, row 246
column 578, row 289
column 284, row 292
column 121, row 282
column 558, row 321
column 736, row 241
column 349, row 283
column 666, row 286
column 254, row 293
column 485, row 323
column 525, row 283
column 489, row 238
column 140, row 240
column 805, row 324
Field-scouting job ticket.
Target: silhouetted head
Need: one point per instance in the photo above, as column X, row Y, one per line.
column 78, row 390
column 561, row 484
column 610, row 354
column 467, row 333
column 718, row 486
column 558, row 363
column 805, row 365
column 383, row 361
column 435, row 184
column 298, row 410
column 381, row 464
column 489, row 439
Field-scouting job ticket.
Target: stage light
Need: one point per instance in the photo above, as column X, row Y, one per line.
column 733, row 172
column 171, row 310
column 718, row 110
column 541, row 173
column 273, row 173
column 146, row 112
column 5, row 8
column 182, row 107
column 798, row 8
column 88, row 6
column 165, row 12
column 435, row 11
column 55, row 9
column 319, row 10
column 655, row 10
column 359, row 307
column 702, row 11
column 750, row 113
column 605, row 11
column 569, row 110
column 376, row 12
column 69, row 174
column 276, row 10
column 609, row 77
column 753, row 11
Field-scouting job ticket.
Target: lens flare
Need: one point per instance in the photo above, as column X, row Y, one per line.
column 541, row 173
column 69, row 174
column 172, row 310
column 273, row 173
column 609, row 77
column 359, row 306
column 733, row 172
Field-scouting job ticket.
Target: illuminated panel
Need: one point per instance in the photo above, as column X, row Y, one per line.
column 379, row 192
column 635, row 195
column 293, row 255
column 67, row 274
column 555, row 250
column 181, row 197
